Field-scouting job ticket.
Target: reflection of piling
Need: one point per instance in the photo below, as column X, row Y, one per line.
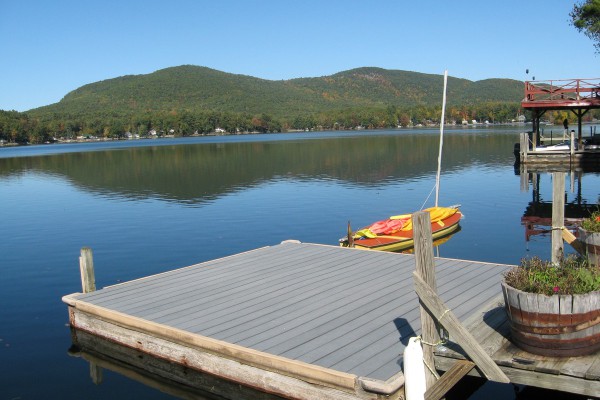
column 558, row 215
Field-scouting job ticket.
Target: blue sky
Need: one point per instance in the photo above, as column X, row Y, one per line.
column 52, row 47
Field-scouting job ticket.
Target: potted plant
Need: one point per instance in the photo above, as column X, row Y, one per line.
column 554, row 310
column 589, row 235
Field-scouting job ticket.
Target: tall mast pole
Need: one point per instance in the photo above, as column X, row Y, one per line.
column 439, row 169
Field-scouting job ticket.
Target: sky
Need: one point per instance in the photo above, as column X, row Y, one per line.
column 50, row 48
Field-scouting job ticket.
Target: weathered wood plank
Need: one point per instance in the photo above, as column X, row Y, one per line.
column 572, row 240
column 425, row 269
column 449, row 379
column 86, row 268
column 229, row 351
column 175, row 348
column 533, row 378
column 445, row 317
column 578, row 366
column 168, row 377
column 593, row 372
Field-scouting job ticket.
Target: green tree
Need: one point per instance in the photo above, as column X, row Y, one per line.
column 586, row 18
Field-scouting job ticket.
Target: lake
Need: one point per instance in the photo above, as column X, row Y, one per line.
column 149, row 206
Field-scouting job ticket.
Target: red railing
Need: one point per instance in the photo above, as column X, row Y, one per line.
column 562, row 90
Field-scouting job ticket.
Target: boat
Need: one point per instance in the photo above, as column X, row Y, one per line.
column 396, row 232
column 562, row 146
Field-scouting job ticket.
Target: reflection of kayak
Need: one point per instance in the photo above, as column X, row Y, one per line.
column 396, row 233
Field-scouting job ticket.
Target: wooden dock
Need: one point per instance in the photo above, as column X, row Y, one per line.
column 310, row 321
column 579, row 375
column 556, row 160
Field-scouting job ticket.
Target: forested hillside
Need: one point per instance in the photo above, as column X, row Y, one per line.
column 190, row 99
column 192, row 88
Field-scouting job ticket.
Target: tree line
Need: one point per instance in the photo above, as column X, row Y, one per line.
column 17, row 127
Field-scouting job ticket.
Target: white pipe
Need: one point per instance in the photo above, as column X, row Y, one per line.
column 439, row 169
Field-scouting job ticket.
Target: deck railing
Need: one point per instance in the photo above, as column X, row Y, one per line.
column 565, row 89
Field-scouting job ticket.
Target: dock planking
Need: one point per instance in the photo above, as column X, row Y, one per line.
column 569, row 374
column 335, row 309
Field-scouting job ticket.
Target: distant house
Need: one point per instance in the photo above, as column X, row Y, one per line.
column 152, row 132
column 220, row 130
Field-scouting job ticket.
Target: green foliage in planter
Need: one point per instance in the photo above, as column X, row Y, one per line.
column 574, row 275
column 592, row 224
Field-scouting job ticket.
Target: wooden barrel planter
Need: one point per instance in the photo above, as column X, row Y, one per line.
column 591, row 240
column 558, row 325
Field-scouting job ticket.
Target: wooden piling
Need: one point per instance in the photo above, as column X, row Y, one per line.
column 524, row 146
column 449, row 379
column 425, row 268
column 86, row 267
column 558, row 215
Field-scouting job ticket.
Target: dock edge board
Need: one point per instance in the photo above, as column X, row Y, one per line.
column 263, row 371
column 561, row 383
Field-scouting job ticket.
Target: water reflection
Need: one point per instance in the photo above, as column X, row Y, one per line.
column 173, row 379
column 196, row 173
column 537, row 217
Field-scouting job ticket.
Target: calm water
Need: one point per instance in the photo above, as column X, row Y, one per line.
column 149, row 206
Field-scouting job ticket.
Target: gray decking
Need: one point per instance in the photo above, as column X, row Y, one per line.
column 344, row 309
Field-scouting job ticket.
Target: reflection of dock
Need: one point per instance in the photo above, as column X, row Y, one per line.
column 537, row 217
column 299, row 320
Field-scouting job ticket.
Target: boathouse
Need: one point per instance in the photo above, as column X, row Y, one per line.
column 578, row 96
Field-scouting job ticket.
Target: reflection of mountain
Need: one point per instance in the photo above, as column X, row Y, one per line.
column 199, row 172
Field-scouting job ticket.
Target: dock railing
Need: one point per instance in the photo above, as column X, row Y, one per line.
column 564, row 89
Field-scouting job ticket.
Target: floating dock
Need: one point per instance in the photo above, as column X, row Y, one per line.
column 305, row 321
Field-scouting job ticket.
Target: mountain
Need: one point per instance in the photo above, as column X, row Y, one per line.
column 194, row 88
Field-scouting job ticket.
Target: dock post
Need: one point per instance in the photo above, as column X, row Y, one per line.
column 524, row 146
column 425, row 268
column 86, row 267
column 88, row 284
column 558, row 215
